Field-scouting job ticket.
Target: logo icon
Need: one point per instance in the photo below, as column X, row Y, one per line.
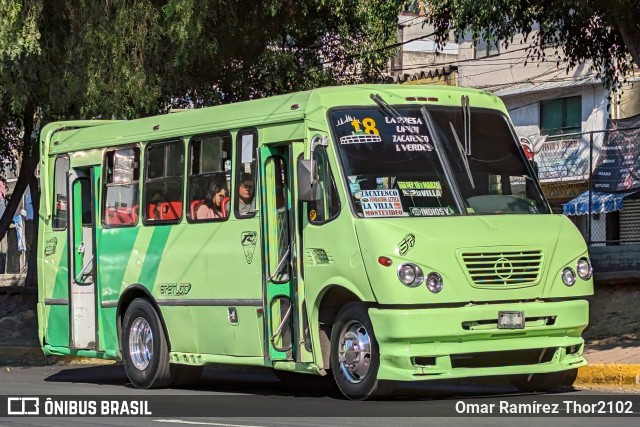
column 23, row 406
column 406, row 243
column 248, row 241
column 503, row 268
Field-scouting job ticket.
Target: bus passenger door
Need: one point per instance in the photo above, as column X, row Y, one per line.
column 82, row 291
column 278, row 250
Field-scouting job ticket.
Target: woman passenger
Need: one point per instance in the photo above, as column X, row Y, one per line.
column 212, row 206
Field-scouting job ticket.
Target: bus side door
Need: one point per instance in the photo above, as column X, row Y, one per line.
column 82, row 268
column 278, row 248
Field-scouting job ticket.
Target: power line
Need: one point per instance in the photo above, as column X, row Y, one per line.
column 383, row 48
column 493, row 58
column 411, row 19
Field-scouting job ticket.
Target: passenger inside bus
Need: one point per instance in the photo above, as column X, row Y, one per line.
column 215, row 203
column 246, row 195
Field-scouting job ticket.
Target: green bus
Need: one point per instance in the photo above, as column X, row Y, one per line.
column 374, row 233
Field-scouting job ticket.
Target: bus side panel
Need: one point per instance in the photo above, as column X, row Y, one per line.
column 221, row 278
column 56, row 288
column 116, row 257
column 161, row 260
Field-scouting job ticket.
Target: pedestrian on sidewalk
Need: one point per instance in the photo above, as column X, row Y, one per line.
column 3, row 206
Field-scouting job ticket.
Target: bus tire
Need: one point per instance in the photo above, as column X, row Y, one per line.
column 354, row 357
column 144, row 346
column 544, row 382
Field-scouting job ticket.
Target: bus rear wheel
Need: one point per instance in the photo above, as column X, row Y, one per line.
column 354, row 356
column 144, row 346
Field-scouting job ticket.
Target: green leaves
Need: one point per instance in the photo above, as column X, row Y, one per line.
column 130, row 58
column 19, row 33
column 605, row 33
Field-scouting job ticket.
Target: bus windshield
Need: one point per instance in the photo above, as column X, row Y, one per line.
column 393, row 169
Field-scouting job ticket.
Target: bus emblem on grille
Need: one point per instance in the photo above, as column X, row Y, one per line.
column 504, row 268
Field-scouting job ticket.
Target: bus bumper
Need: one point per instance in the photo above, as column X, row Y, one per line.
column 443, row 343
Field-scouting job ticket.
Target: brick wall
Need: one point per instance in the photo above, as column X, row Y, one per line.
column 615, row 263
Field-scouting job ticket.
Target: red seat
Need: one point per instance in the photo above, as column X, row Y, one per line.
column 194, row 205
column 134, row 213
column 111, row 218
column 121, row 216
column 226, row 202
column 151, row 211
column 125, row 216
column 170, row 210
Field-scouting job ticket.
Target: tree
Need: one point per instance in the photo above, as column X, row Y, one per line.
column 23, row 62
column 604, row 33
column 62, row 59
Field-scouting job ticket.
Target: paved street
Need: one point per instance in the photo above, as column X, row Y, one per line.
column 256, row 391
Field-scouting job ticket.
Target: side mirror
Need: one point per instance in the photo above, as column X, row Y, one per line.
column 307, row 178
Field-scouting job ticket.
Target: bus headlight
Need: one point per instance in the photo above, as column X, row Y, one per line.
column 584, row 268
column 568, row 276
column 410, row 275
column 434, row 282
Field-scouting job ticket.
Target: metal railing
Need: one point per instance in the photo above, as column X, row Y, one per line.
column 593, row 163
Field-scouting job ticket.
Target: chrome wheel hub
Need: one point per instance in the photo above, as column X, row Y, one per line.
column 354, row 352
column 140, row 343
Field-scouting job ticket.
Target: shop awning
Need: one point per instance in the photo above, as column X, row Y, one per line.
column 600, row 203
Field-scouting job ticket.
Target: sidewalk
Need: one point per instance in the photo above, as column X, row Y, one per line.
column 614, row 366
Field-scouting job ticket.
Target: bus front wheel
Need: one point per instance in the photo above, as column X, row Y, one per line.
column 354, row 357
column 144, row 346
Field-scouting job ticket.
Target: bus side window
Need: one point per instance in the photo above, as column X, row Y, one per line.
column 60, row 211
column 327, row 204
column 121, row 193
column 209, row 177
column 245, row 197
column 164, row 175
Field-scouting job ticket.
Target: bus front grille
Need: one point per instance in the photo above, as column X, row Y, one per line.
column 491, row 269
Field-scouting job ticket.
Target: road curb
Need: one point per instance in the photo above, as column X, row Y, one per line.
column 618, row 375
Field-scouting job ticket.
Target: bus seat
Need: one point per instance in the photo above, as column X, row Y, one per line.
column 170, row 210
column 111, row 218
column 125, row 216
column 134, row 213
column 225, row 206
column 194, row 206
column 151, row 211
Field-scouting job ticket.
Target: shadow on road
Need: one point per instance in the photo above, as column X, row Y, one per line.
column 262, row 382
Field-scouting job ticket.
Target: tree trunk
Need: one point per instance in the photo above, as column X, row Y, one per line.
column 32, row 268
column 631, row 35
column 30, row 158
column 627, row 20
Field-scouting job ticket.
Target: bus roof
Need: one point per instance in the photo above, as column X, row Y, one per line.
column 276, row 109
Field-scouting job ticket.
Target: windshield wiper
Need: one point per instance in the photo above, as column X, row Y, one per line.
column 466, row 115
column 393, row 113
column 463, row 154
column 444, row 161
